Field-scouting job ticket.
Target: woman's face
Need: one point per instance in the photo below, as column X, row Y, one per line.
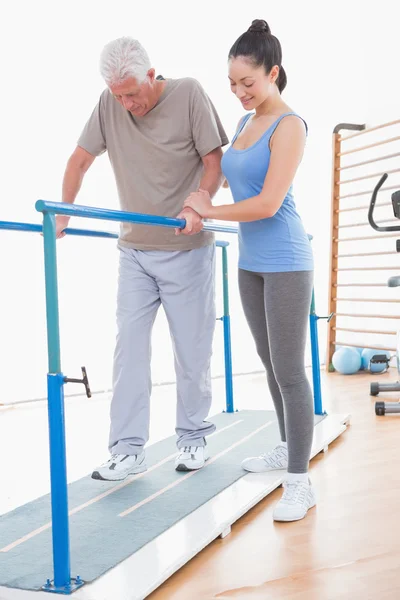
column 250, row 84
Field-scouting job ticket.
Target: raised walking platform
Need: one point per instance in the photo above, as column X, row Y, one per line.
column 136, row 533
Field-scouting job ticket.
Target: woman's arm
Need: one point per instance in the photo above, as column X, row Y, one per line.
column 287, row 148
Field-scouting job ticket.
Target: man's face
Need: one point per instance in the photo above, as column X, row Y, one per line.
column 135, row 97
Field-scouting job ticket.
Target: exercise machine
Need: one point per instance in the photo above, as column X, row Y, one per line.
column 381, row 408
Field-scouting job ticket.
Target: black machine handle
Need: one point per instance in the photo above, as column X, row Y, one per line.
column 84, row 381
column 396, row 207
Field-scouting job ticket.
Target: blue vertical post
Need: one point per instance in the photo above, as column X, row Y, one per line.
column 316, row 370
column 55, row 387
column 226, row 320
column 50, row 271
column 58, row 475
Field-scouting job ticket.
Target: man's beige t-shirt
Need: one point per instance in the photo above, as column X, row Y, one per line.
column 156, row 159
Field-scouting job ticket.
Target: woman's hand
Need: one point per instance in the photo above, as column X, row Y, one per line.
column 200, row 202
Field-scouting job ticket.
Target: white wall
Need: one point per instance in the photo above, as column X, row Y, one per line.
column 50, row 85
column 381, row 60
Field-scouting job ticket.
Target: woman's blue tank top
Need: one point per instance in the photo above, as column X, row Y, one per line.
column 276, row 244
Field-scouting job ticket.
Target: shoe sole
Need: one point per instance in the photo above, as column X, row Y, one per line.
column 263, row 470
column 141, row 469
column 183, row 467
column 297, row 519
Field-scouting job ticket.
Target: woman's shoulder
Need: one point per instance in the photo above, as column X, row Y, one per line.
column 291, row 120
column 294, row 118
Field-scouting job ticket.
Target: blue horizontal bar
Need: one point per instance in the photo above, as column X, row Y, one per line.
column 73, row 210
column 220, row 228
column 100, row 213
column 13, row 226
column 32, row 227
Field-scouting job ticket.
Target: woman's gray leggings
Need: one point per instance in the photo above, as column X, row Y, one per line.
column 276, row 306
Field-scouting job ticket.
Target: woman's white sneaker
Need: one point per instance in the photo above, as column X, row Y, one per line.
column 298, row 497
column 191, row 458
column 272, row 461
column 119, row 466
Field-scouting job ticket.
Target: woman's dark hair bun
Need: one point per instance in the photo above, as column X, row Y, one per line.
column 259, row 26
column 261, row 48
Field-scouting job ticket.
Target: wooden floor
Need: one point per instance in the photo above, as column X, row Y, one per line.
column 347, row 547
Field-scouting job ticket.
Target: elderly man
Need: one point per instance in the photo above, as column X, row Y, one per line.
column 163, row 139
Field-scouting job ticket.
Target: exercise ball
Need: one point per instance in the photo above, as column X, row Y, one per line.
column 366, row 356
column 359, row 350
column 346, row 361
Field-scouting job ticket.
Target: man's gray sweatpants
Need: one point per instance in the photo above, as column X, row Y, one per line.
column 183, row 282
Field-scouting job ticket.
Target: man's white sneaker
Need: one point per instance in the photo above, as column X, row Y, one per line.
column 298, row 497
column 120, row 466
column 273, row 461
column 191, row 458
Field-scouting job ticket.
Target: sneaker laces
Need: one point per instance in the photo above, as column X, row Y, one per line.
column 278, row 456
column 115, row 458
column 294, row 493
column 188, row 450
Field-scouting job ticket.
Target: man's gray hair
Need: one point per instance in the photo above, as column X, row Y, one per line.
column 122, row 59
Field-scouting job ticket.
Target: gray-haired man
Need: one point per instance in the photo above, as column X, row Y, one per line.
column 163, row 139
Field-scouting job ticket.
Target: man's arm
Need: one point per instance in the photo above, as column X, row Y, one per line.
column 212, row 175
column 209, row 137
column 77, row 165
column 210, row 181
